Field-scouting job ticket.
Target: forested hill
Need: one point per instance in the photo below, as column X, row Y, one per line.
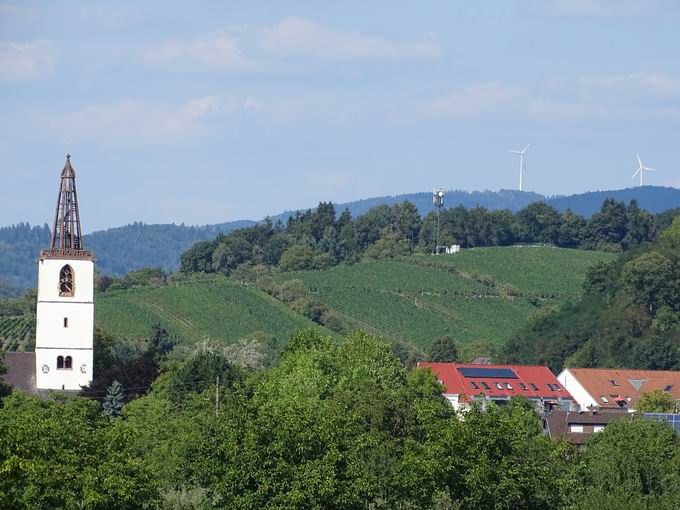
column 118, row 250
column 654, row 199
column 131, row 247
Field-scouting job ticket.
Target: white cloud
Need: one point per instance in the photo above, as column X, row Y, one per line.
column 495, row 99
column 134, row 119
column 257, row 48
column 219, row 50
column 299, row 37
column 26, row 61
column 645, row 84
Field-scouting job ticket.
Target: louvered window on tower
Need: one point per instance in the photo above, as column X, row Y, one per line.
column 66, row 281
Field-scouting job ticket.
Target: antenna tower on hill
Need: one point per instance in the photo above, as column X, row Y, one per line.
column 438, row 202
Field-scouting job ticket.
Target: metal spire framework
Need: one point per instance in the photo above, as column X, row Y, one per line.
column 67, row 239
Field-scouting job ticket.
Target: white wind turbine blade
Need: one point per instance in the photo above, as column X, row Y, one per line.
column 525, row 148
column 636, row 172
column 514, row 152
column 647, row 168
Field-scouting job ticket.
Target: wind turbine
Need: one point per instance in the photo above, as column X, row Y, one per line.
column 522, row 165
column 641, row 169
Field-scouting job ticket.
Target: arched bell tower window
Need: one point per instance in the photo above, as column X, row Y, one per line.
column 60, row 362
column 66, row 284
column 68, row 363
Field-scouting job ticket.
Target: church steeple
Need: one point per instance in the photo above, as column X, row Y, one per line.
column 66, row 233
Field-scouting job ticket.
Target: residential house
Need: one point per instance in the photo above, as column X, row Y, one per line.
column 611, row 388
column 466, row 383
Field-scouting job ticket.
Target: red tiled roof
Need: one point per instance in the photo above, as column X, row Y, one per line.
column 629, row 384
column 530, row 381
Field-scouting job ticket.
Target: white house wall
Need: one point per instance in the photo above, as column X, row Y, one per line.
column 573, row 386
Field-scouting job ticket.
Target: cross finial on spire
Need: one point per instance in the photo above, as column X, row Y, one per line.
column 68, row 156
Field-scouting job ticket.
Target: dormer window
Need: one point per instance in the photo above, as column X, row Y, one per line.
column 66, row 286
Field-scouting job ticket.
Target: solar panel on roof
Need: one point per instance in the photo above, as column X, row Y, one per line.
column 497, row 373
column 672, row 419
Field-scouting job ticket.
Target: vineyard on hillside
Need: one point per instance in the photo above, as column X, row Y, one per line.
column 216, row 310
column 17, row 333
column 481, row 296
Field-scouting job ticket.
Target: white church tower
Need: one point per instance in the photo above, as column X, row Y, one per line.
column 65, row 313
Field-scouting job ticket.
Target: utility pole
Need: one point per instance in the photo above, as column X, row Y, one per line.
column 217, row 396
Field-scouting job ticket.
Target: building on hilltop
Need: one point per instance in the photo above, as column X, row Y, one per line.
column 616, row 389
column 63, row 357
column 467, row 383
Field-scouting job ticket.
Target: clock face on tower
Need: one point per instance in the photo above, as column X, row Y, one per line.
column 66, row 281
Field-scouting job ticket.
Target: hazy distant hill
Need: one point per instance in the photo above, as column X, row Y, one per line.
column 119, row 250
column 655, row 199
column 503, row 199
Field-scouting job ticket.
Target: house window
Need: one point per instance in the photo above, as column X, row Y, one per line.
column 68, row 363
column 550, row 387
column 508, row 386
column 523, row 386
column 60, row 362
column 66, row 285
column 533, row 386
column 499, row 386
column 604, row 399
column 598, row 428
column 66, row 322
column 485, row 386
column 474, row 385
column 613, row 382
column 668, row 387
column 575, row 428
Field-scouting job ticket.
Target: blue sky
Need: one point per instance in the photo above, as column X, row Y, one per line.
column 203, row 112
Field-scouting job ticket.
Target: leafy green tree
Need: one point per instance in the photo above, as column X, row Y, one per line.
column 656, row 401
column 651, row 280
column 388, row 247
column 113, row 402
column 671, row 235
column 647, row 469
column 656, row 352
column 443, row 349
column 160, row 341
column 66, row 454
column 539, row 223
column 4, row 388
column 297, row 257
column 198, row 258
column 571, row 230
column 608, row 227
column 639, row 226
column 406, row 222
column 200, row 372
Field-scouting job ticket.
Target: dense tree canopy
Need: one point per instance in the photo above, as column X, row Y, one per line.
column 319, row 238
column 339, row 425
column 628, row 317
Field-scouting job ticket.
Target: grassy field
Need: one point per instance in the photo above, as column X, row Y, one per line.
column 217, row 310
column 481, row 296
